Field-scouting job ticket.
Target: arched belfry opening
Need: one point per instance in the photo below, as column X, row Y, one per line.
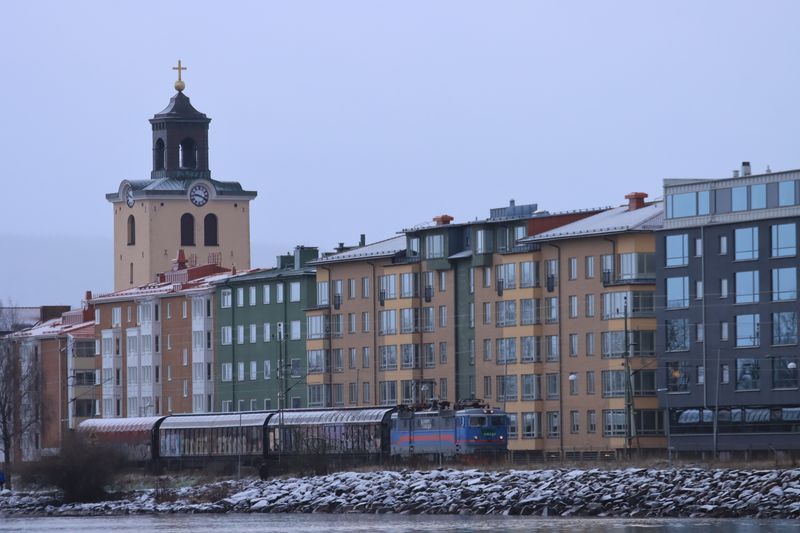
column 188, row 153
column 131, row 230
column 158, row 155
column 187, row 230
column 210, row 230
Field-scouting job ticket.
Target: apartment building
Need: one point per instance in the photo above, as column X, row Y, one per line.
column 575, row 388
column 261, row 343
column 727, row 289
column 156, row 344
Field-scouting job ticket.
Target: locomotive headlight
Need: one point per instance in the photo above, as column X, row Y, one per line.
column 475, row 437
column 501, row 437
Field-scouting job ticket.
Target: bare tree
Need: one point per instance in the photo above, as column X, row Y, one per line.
column 19, row 392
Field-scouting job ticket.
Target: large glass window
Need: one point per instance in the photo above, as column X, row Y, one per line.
column 739, row 198
column 613, row 383
column 784, row 327
column 637, row 266
column 784, row 240
column 677, row 334
column 747, row 287
column 681, row 205
column 747, row 330
column 677, row 248
column 614, row 423
column 677, row 376
column 746, row 244
column 784, row 373
column 434, row 246
column 784, row 284
column 748, row 374
column 677, row 292
column 786, row 194
column 758, row 196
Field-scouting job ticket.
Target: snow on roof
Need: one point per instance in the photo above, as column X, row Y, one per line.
column 215, row 421
column 616, row 220
column 382, row 248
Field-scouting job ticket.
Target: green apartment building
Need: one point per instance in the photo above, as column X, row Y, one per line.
column 261, row 352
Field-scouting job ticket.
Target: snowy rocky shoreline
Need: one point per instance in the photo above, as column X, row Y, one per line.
column 632, row 492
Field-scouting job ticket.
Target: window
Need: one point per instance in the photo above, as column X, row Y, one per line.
column 747, row 287
column 590, row 305
column 442, row 316
column 225, row 335
column 442, row 280
column 267, row 369
column 614, row 423
column 613, row 383
column 551, row 309
column 443, row 388
column 784, row 328
column 365, row 290
column 506, row 313
column 294, row 330
column 688, row 204
column 747, row 330
column 487, row 386
column 748, row 374
column 591, row 421
column 253, row 370
column 365, row 322
column 572, row 270
column 408, row 285
column 294, row 291
column 434, row 246
column 506, row 388
column 487, row 349
column 589, row 266
column 531, row 387
column 784, row 240
column 266, row 294
column 553, row 424
column 506, row 350
column 677, row 250
column 409, row 356
column 553, row 388
column 225, row 299
column 487, row 313
column 784, row 284
column 637, row 266
column 677, row 334
column 758, row 196
column 323, row 293
column 786, row 193
column 388, row 357
column 573, row 344
column 408, row 320
column 442, row 353
column 644, row 383
column 365, row 393
column 784, row 373
column 531, row 425
column 365, row 357
column 351, row 289
column 388, row 285
column 527, row 274
column 388, row 392
column 551, row 344
column 700, row 332
column 573, row 306
column 739, row 198
column 429, row 353
column 677, row 292
column 279, row 293
column 210, row 230
column 187, row 230
column 698, row 290
column 575, row 424
column 240, row 334
column 487, row 276
column 387, row 322
column 531, row 349
column 131, row 230
column 483, row 241
column 253, row 333
column 746, row 244
column 239, row 296
column 723, row 288
column 590, row 343
column 698, row 247
column 507, row 275
column 316, row 361
column 723, row 331
column 352, row 323
column 723, row 245
column 338, row 360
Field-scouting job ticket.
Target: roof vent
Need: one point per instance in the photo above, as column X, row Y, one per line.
column 635, row 200
column 746, row 168
column 441, row 220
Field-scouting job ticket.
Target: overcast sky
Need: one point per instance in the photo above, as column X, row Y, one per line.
column 367, row 117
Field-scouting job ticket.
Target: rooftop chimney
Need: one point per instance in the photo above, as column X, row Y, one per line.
column 362, row 241
column 635, row 200
column 441, row 220
column 745, row 168
column 511, row 203
column 180, row 261
column 735, row 173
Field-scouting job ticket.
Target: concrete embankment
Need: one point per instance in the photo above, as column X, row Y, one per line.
column 616, row 493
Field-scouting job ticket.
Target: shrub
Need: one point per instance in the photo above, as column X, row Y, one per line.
column 82, row 470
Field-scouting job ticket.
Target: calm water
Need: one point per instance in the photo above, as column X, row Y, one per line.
column 353, row 523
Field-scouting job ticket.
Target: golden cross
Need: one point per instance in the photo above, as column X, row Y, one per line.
column 179, row 68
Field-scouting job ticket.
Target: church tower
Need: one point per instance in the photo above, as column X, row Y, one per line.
column 181, row 206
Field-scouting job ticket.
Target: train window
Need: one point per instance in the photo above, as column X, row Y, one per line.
column 498, row 421
column 477, row 421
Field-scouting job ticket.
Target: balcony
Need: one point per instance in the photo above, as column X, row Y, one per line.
column 610, row 279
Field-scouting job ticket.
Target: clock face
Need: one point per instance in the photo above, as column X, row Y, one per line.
column 129, row 197
column 198, row 195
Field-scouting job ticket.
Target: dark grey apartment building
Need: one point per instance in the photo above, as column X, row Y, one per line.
column 727, row 312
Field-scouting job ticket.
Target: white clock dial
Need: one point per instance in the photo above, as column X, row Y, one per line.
column 129, row 197
column 198, row 195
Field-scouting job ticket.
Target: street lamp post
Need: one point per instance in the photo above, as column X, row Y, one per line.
column 665, row 390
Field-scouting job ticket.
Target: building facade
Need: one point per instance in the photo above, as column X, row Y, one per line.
column 262, row 330
column 727, row 313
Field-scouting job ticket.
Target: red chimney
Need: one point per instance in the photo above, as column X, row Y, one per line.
column 441, row 220
column 635, row 200
column 180, row 261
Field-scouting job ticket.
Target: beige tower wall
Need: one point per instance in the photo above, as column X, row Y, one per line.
column 158, row 237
